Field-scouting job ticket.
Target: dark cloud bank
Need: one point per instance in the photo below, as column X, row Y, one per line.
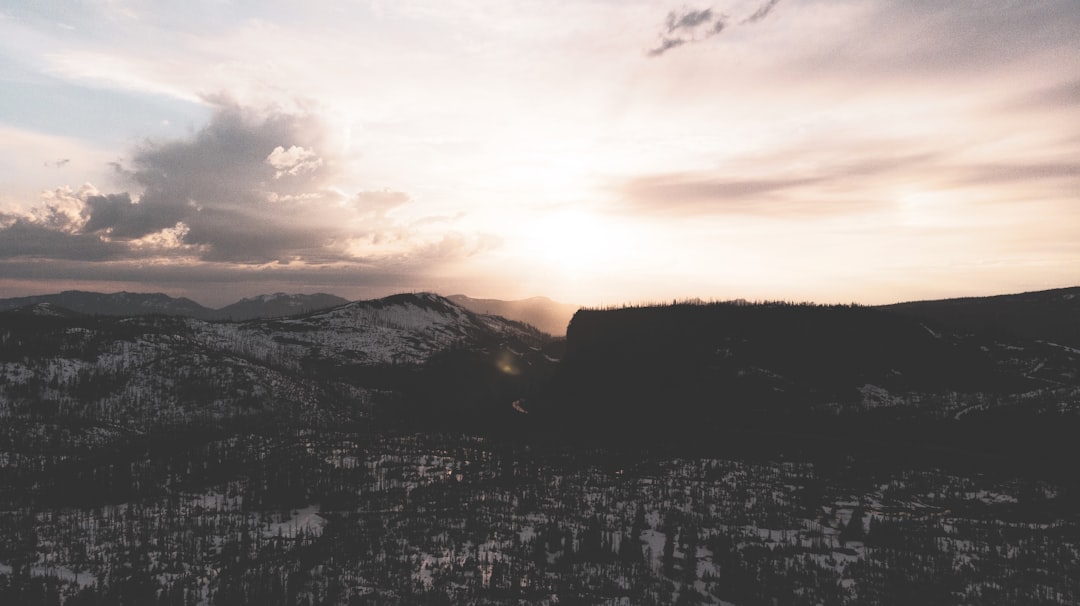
column 249, row 190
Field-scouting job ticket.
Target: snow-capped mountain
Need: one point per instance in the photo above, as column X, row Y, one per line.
column 149, row 370
column 400, row 329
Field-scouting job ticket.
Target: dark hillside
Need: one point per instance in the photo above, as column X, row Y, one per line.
column 1049, row 315
column 695, row 373
column 276, row 305
column 114, row 304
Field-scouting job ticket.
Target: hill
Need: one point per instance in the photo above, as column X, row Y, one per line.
column 693, row 374
column 277, row 304
column 115, row 304
column 1048, row 315
column 322, row 367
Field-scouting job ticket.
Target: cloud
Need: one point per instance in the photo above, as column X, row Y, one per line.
column 829, row 186
column 666, row 44
column 688, row 19
column 829, row 182
column 251, row 188
column 378, row 203
column 121, row 218
column 996, row 41
column 220, row 283
column 761, row 12
column 58, row 163
column 690, row 26
column 25, row 238
column 1062, row 95
column 687, row 26
column 1029, row 173
column 698, row 194
column 293, row 161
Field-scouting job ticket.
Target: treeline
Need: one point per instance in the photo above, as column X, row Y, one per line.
column 698, row 302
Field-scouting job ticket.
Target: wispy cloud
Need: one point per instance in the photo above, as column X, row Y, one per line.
column 690, row 26
column 761, row 12
column 688, row 19
column 685, row 26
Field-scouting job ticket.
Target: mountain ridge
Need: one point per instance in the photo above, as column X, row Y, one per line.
column 1052, row 315
column 277, row 304
column 1043, row 314
column 125, row 303
column 692, row 374
column 671, row 375
column 541, row 312
column 150, row 369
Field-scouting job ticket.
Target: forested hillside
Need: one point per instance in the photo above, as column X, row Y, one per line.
column 409, row 451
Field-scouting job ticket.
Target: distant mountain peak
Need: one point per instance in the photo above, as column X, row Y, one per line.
column 1052, row 315
column 276, row 305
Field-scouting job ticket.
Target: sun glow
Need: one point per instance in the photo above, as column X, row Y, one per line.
column 575, row 242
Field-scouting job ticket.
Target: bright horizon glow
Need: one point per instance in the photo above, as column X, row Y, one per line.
column 586, row 151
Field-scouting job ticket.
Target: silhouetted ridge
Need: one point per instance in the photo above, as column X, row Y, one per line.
column 277, row 305
column 691, row 369
column 115, row 304
column 42, row 309
column 141, row 304
column 423, row 300
column 1052, row 315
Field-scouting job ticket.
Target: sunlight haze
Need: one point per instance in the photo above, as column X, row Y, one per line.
column 591, row 151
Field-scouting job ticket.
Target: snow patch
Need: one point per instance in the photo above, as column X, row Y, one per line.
column 303, row 521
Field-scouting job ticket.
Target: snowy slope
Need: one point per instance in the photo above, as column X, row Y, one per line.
column 145, row 370
column 401, row 329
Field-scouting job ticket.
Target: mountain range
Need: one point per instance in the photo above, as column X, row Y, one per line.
column 138, row 304
column 541, row 312
column 144, row 371
column 1049, row 315
column 756, row 363
column 339, row 455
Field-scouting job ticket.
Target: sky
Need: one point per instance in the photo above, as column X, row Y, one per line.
column 592, row 151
